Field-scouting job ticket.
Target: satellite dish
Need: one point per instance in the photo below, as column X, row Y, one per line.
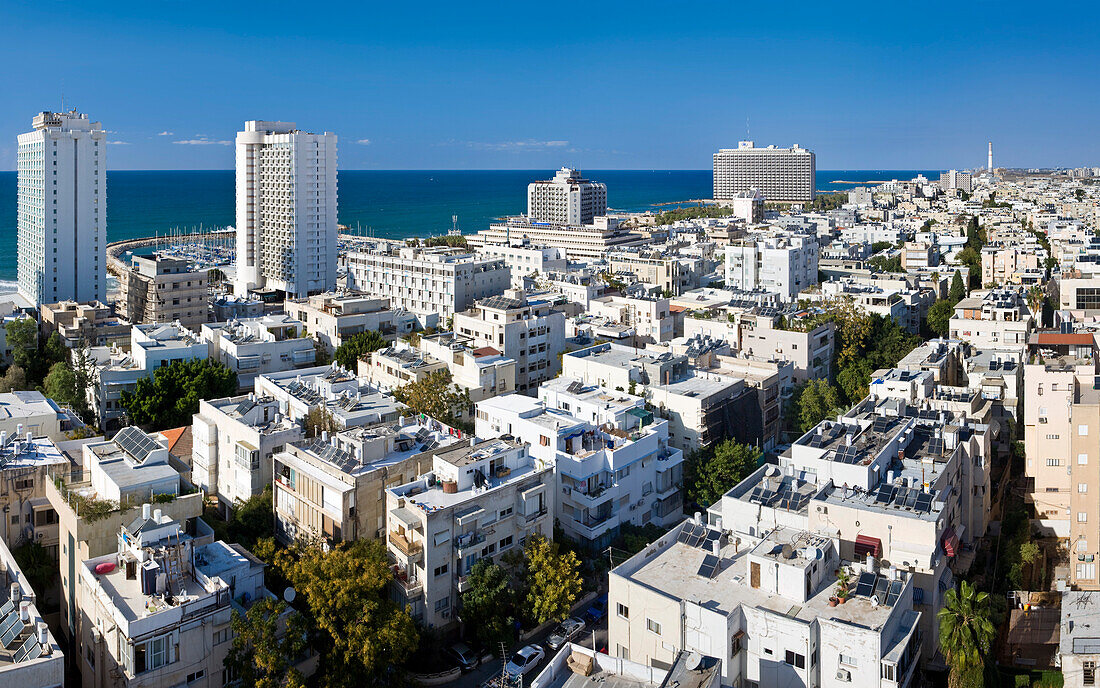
column 693, row 661
column 289, row 595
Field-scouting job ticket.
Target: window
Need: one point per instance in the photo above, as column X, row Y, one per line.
column 888, row 671
column 505, row 543
column 150, row 655
column 1082, row 517
column 796, row 660
column 443, row 604
column 1082, row 459
column 198, row 675
column 544, row 440
column 1086, row 571
column 505, row 513
column 1082, row 487
column 1054, row 462
column 848, row 660
column 221, row 636
column 623, row 652
column 1082, row 430
column 45, row 517
column 652, row 626
column 623, row 611
column 1082, row 545
column 1088, row 673
column 441, row 570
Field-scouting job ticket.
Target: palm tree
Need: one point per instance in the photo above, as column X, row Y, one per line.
column 1035, row 298
column 966, row 632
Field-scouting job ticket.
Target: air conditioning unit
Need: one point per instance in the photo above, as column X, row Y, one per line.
column 844, row 675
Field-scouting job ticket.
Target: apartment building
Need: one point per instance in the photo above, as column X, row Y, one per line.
column 785, row 264
column 701, row 407
column 116, row 371
column 92, row 323
column 481, row 499
column 650, row 319
column 782, row 175
column 440, row 279
column 286, row 209
column 158, row 609
column 128, row 469
column 764, row 605
column 233, row 440
column 919, row 255
column 346, row 403
column 27, row 463
column 1012, row 265
column 994, row 318
column 32, row 656
column 524, row 259
column 580, row 241
column 1061, row 421
column 612, row 460
column 160, row 288
column 953, row 179
column 255, row 346
column 229, row 306
column 332, row 487
column 61, row 209
column 331, row 318
column 567, row 199
column 483, row 372
column 671, row 273
column 528, row 331
column 33, row 412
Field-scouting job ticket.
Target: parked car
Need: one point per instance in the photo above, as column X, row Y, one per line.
column 598, row 609
column 566, row 631
column 524, row 660
column 463, row 656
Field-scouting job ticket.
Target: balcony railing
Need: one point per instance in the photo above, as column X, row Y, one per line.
column 536, row 515
column 408, row 547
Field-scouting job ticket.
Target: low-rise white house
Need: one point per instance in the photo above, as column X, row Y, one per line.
column 612, row 460
column 254, row 346
column 333, row 317
column 234, row 440
column 480, row 500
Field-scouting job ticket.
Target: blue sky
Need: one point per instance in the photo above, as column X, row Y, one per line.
column 536, row 85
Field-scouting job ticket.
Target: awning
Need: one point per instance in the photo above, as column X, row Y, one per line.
column 865, row 544
column 950, row 542
column 405, row 517
column 646, row 417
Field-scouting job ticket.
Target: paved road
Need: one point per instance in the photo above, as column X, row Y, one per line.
column 475, row 678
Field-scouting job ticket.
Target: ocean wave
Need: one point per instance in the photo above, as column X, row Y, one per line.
column 7, row 287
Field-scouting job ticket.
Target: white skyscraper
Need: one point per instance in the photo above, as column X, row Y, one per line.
column 785, row 175
column 286, row 209
column 62, row 209
column 567, row 199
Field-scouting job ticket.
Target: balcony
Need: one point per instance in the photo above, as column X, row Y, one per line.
column 467, row 540
column 463, row 583
column 410, row 548
column 531, row 518
column 593, row 527
column 412, row 589
column 593, row 498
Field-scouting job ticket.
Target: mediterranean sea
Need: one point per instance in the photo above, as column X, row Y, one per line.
column 391, row 204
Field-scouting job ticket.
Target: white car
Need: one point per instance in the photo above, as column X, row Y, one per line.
column 524, row 660
column 566, row 631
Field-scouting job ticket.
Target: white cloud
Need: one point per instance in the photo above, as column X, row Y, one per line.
column 118, row 143
column 166, row 133
column 203, row 142
column 363, row 142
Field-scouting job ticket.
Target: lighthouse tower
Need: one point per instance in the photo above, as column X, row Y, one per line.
column 991, row 157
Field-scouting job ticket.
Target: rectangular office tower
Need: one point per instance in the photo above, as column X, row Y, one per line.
column 62, row 209
column 286, row 210
column 783, row 175
column 567, row 199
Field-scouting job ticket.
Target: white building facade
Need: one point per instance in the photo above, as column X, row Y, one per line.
column 568, row 199
column 62, row 209
column 781, row 174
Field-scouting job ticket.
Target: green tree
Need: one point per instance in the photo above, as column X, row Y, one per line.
column 553, row 580
column 357, row 346
column 171, row 396
column 250, row 521
column 487, row 604
column 266, row 644
column 318, row 420
column 22, row 339
column 958, row 289
column 885, row 264
column 1035, row 299
column 813, row 402
column 966, row 633
column 726, row 464
column 939, row 316
column 881, row 246
column 362, row 631
column 14, row 379
column 67, row 382
column 435, row 396
column 37, row 565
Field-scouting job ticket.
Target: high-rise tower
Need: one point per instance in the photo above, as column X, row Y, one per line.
column 286, row 209
column 991, row 157
column 62, row 209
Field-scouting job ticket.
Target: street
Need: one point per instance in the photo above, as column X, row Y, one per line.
column 494, row 666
